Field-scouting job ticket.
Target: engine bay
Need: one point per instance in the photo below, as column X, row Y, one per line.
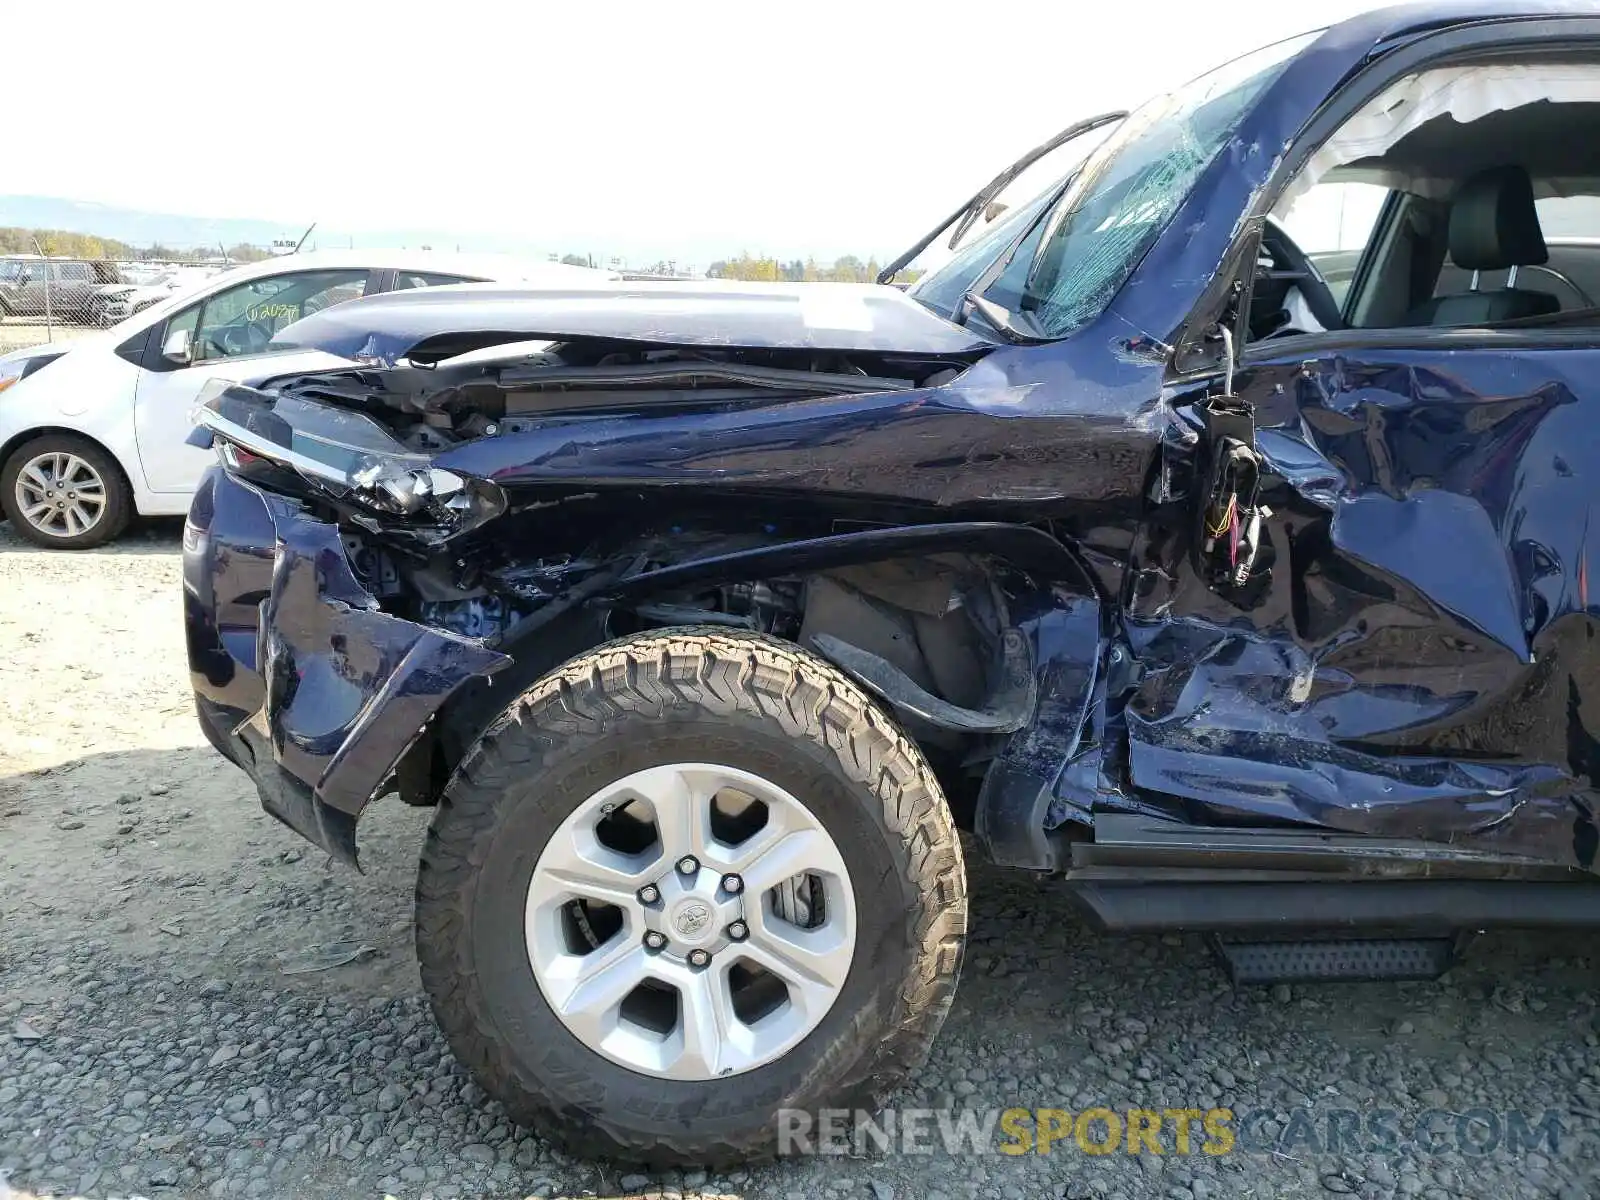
column 434, row 403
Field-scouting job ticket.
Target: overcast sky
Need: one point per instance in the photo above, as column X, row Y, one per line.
column 702, row 127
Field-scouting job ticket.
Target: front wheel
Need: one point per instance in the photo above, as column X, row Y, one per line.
column 64, row 492
column 687, row 880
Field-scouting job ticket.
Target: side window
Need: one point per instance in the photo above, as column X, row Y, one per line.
column 242, row 319
column 1332, row 224
column 327, row 297
column 187, row 320
column 421, row 279
column 1570, row 225
column 1313, row 242
column 1491, row 215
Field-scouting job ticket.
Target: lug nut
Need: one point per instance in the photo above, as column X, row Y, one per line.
column 688, row 865
column 648, row 894
column 732, row 884
column 654, row 940
column 738, row 931
column 699, row 958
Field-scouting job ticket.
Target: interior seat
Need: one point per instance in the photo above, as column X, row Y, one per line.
column 1493, row 226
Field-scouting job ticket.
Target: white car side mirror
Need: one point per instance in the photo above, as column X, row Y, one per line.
column 177, row 348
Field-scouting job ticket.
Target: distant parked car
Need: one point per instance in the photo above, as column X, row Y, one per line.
column 119, row 301
column 72, row 284
column 93, row 430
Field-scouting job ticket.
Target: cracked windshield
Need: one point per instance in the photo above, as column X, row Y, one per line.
column 1131, row 186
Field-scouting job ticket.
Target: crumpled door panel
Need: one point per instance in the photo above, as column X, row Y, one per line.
column 1420, row 660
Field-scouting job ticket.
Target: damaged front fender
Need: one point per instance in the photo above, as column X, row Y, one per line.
column 322, row 702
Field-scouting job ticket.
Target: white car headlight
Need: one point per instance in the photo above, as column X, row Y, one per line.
column 11, row 372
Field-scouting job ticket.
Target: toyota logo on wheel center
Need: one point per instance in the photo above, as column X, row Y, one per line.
column 692, row 919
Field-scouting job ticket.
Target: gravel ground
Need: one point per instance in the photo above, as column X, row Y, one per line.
column 17, row 332
column 178, row 1018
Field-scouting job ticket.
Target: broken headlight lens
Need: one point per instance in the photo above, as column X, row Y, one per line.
column 344, row 452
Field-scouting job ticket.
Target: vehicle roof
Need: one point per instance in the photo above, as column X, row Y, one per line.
column 501, row 268
column 1383, row 24
column 494, row 266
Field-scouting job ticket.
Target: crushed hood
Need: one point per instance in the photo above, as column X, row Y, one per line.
column 442, row 321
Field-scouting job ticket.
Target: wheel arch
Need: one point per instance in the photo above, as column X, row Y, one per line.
column 121, row 491
column 1030, row 549
column 576, row 622
column 34, row 433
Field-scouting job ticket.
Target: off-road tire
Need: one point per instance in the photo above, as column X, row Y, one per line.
column 119, row 497
column 711, row 695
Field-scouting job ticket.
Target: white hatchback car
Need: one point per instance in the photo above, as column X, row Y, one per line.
column 93, row 430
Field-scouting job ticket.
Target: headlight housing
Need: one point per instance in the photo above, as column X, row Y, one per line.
column 15, row 370
column 345, row 453
column 12, row 372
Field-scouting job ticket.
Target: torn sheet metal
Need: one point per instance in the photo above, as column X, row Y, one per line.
column 1421, row 660
column 344, row 688
column 1026, row 787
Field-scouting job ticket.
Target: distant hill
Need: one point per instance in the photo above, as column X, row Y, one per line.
column 139, row 228
column 144, row 229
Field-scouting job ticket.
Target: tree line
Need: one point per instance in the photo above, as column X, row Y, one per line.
column 61, row 243
column 761, row 268
column 845, row 269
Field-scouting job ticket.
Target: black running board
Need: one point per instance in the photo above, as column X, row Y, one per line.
column 1128, row 845
column 1326, row 960
column 1413, row 906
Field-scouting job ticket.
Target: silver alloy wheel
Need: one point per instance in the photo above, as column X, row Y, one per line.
column 60, row 494
column 691, row 921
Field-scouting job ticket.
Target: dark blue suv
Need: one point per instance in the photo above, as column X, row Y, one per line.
column 1210, row 532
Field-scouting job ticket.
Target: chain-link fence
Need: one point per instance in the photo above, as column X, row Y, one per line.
column 45, row 297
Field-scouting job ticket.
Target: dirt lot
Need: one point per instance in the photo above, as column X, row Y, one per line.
column 177, row 1017
column 17, row 332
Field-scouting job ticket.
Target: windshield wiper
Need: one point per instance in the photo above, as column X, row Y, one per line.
column 1019, row 328
column 968, row 212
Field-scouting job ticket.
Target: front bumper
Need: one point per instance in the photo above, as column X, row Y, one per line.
column 298, row 677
